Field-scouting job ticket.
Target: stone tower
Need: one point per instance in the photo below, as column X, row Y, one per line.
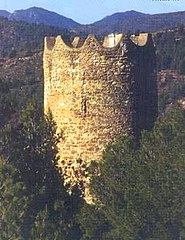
column 98, row 91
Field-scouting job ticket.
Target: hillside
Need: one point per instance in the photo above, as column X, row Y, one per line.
column 132, row 21
column 21, row 38
column 21, row 79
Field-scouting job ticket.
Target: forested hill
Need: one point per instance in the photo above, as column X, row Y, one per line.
column 170, row 50
column 21, row 38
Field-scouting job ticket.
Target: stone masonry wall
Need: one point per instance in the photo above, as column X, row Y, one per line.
column 94, row 93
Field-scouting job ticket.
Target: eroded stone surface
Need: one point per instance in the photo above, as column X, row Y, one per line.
column 97, row 93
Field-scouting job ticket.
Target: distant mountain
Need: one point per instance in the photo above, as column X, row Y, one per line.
column 121, row 16
column 126, row 22
column 4, row 13
column 43, row 16
column 132, row 21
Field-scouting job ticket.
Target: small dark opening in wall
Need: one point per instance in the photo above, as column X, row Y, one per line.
column 84, row 106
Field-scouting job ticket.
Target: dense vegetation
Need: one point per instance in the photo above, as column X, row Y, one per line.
column 170, row 45
column 14, row 96
column 140, row 192
column 22, row 39
column 34, row 202
column 170, row 49
column 138, row 187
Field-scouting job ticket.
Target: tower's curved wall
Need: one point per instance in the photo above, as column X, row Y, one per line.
column 97, row 92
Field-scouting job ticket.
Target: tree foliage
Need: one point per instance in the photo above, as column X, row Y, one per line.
column 140, row 191
column 30, row 146
column 13, row 202
column 18, row 38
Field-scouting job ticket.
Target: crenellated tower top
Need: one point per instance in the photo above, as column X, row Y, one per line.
column 111, row 42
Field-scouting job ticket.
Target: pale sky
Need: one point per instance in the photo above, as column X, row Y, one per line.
column 88, row 11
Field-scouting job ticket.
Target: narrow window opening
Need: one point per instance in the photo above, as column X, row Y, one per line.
column 84, row 106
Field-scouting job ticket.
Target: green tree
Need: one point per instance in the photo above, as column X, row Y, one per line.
column 93, row 222
column 30, row 145
column 140, row 191
column 13, row 202
column 8, row 102
column 46, row 228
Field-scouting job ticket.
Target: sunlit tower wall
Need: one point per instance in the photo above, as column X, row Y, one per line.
column 98, row 91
